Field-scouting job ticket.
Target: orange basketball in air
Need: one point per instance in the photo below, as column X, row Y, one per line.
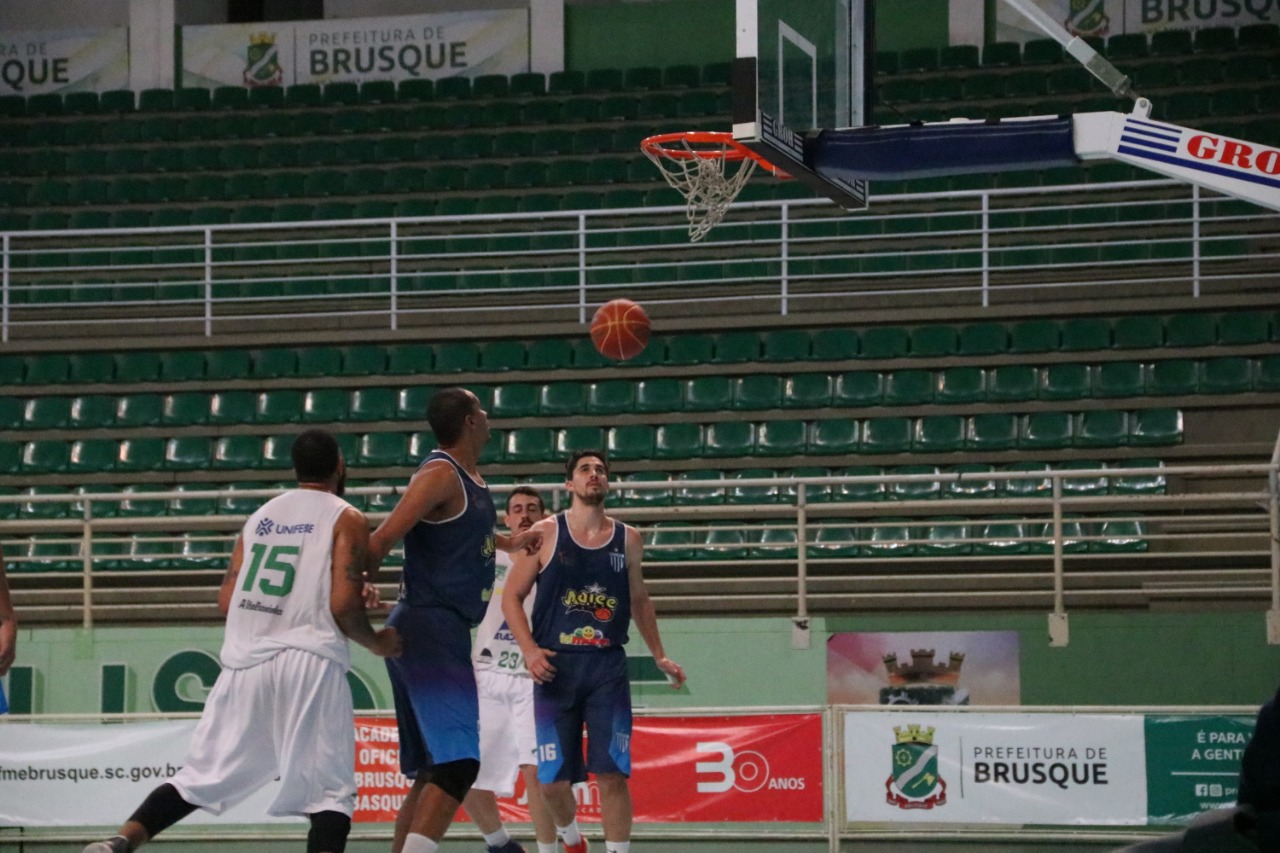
column 620, row 329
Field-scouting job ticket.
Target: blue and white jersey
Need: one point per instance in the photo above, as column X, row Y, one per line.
column 450, row 563
column 281, row 599
column 583, row 599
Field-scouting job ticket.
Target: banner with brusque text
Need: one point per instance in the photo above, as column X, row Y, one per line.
column 983, row 768
column 35, row 62
column 429, row 46
column 1105, row 18
column 742, row 768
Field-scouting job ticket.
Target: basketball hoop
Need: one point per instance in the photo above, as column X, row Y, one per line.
column 708, row 168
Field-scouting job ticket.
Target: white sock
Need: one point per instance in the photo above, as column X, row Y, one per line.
column 544, row 847
column 617, row 847
column 569, row 833
column 498, row 837
column 416, row 843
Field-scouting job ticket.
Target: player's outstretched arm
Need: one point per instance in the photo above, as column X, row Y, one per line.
column 431, row 488
column 229, row 579
column 642, row 612
column 521, row 577
column 346, row 595
column 8, row 624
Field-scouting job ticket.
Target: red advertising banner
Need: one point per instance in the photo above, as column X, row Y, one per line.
column 742, row 768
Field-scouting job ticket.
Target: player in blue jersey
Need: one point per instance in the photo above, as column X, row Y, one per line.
column 590, row 587
column 447, row 521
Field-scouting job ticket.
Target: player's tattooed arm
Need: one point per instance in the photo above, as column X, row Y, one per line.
column 347, row 593
column 228, row 587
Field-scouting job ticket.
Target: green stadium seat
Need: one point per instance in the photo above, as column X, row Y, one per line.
column 409, row 358
column 371, row 404
column 662, row 543
column 834, row 344
column 1214, row 40
column 757, row 391
column 773, row 543
column 917, row 482
column 970, row 482
column 1085, row 333
column 1035, row 336
column 1155, row 427
column 1101, row 428
column 786, row 345
column 1137, row 484
column 233, row 452
column 886, row 435
column 416, row 89
column 411, row 402
column 960, row 385
column 142, row 410
column 363, row 360
column 613, row 397
column 571, row 439
column 908, row 387
column 833, row 436
column 515, row 400
column 1119, row 379
column 548, row 354
column 933, row 341
column 501, row 355
column 992, row 431
column 781, row 438
column 1127, row 46
column 329, row 405
column 678, row 441
column 945, row 536
column 806, row 391
column 187, row 453
column 690, row 349
column 92, row 456
column 885, row 342
column 888, row 537
column 833, row 538
column 708, row 394
column 858, row 389
column 1174, row 376
column 319, row 361
column 1041, row 51
column 10, row 461
column 629, row 496
column 46, row 413
column 1243, row 328
column 33, row 509
column 630, row 442
column 729, row 438
column 736, row 348
column 11, row 410
column 155, row 100
column 1080, row 484
column 383, row 450
column 230, row 407
column 1065, row 381
column 12, row 369
column 137, row 367
column 939, row 434
column 1267, row 373
column 1190, row 330
column 1045, row 430
column 275, row 363
column 534, row 444
column 1263, row 36
column 1144, row 331
column 279, row 406
column 983, row 339
column 276, row 452
column 1119, row 534
column 693, row 495
column 1229, row 375
column 1000, row 537
column 457, row 357
column 723, row 542
column 235, row 502
column 562, row 399
column 47, row 369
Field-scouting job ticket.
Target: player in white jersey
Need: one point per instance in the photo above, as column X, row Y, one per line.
column 508, row 739
column 281, row 708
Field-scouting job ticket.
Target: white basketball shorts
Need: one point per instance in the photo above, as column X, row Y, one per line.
column 290, row 717
column 508, row 736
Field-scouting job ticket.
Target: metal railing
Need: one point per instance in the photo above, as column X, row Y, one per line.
column 796, row 549
column 972, row 248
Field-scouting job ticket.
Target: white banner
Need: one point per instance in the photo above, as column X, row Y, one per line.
column 357, row 49
column 1057, row 769
column 54, row 775
column 1103, row 18
column 33, row 62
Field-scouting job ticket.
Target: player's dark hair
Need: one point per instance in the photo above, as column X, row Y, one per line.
column 447, row 414
column 529, row 491
column 576, row 457
column 315, row 456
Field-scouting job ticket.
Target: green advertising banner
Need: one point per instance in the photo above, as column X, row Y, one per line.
column 1193, row 765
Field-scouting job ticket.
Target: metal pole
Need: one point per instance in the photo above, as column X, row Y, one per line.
column 1273, row 506
column 4, row 289
column 395, row 267
column 1058, row 629
column 986, row 250
column 208, row 282
column 1195, row 240
column 86, row 561
column 800, row 624
column 582, row 267
column 784, row 233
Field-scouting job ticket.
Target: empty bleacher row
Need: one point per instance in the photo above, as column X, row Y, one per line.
column 564, row 142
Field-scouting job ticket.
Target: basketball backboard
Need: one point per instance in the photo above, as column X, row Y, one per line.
column 802, row 66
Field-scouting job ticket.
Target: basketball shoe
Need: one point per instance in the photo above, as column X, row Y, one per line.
column 580, row 847
column 114, row 844
column 512, row 846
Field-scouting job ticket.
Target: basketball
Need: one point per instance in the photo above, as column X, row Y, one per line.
column 620, row 329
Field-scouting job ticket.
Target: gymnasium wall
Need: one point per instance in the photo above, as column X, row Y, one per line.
column 1113, row 659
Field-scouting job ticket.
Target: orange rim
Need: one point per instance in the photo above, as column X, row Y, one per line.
column 731, row 149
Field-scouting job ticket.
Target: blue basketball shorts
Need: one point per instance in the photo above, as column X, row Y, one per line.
column 590, row 690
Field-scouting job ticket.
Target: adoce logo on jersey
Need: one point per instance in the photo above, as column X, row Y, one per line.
column 743, row 770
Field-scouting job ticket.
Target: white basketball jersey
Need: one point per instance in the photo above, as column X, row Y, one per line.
column 496, row 647
column 281, row 599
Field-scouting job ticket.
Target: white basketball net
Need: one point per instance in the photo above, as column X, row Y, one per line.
column 709, row 181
